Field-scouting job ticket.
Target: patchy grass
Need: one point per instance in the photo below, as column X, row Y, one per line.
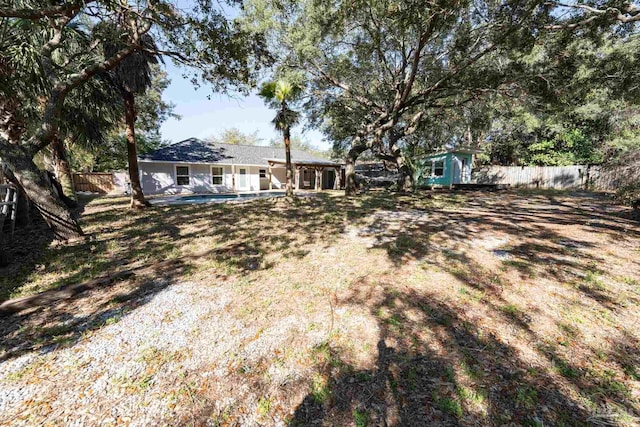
column 511, row 308
column 360, row 418
column 320, row 389
column 448, row 405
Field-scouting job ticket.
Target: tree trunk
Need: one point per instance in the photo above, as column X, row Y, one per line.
column 287, row 151
column 350, row 186
column 4, row 261
column 62, row 169
column 405, row 180
column 23, row 214
column 51, row 180
column 57, row 215
column 137, row 197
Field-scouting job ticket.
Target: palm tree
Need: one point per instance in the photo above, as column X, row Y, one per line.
column 279, row 94
column 132, row 76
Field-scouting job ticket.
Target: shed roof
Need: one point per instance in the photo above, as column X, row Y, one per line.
column 195, row 150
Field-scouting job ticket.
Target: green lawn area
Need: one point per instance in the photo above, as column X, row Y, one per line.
column 480, row 308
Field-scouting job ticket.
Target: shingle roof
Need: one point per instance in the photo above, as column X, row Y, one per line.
column 194, row 150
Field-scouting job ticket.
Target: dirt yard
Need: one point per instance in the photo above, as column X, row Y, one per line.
column 474, row 309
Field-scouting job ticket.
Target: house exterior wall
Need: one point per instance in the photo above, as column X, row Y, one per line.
column 157, row 178
column 160, row 178
column 279, row 178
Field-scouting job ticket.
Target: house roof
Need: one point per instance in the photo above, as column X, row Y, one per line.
column 194, row 150
column 313, row 162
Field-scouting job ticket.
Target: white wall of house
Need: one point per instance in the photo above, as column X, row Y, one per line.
column 157, row 177
column 279, row 177
column 161, row 178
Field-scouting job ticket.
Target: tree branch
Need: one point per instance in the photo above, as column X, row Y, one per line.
column 47, row 12
column 631, row 13
column 335, row 82
column 48, row 129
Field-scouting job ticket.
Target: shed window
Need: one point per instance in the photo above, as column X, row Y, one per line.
column 263, row 173
column 216, row 176
column 438, row 168
column 182, row 175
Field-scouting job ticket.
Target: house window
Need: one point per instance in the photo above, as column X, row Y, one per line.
column 438, row 168
column 263, row 173
column 217, row 176
column 182, row 175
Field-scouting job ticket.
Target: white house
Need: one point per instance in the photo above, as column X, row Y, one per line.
column 196, row 166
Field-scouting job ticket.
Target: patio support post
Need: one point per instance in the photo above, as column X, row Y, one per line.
column 233, row 177
column 270, row 178
column 297, row 177
column 336, row 181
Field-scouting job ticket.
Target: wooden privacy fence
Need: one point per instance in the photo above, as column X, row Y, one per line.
column 93, row 182
column 559, row 177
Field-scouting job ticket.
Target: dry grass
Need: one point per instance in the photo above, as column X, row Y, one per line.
column 464, row 309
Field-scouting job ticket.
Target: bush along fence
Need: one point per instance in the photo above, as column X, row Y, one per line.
column 584, row 177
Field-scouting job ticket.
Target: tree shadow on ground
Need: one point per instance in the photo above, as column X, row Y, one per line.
column 434, row 367
column 28, row 248
column 440, row 371
column 23, row 253
column 226, row 239
column 433, row 364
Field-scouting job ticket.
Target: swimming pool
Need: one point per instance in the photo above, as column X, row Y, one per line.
column 218, row 198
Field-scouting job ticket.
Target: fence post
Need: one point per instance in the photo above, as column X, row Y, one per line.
column 587, row 173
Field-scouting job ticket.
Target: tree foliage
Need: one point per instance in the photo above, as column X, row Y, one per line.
column 52, row 49
column 236, row 137
column 377, row 68
column 379, row 71
column 581, row 106
column 299, row 142
column 109, row 152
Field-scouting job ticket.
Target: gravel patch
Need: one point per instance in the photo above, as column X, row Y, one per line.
column 125, row 366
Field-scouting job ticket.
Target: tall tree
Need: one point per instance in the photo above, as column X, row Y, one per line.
column 132, row 76
column 391, row 60
column 382, row 67
column 582, row 103
column 200, row 36
column 280, row 94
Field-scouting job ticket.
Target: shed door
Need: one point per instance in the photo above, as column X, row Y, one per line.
column 466, row 171
column 456, row 164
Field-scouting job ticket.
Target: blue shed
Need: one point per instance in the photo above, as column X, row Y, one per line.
column 447, row 168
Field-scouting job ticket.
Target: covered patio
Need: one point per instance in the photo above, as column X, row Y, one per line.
column 311, row 174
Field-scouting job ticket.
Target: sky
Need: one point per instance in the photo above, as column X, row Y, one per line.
column 202, row 117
